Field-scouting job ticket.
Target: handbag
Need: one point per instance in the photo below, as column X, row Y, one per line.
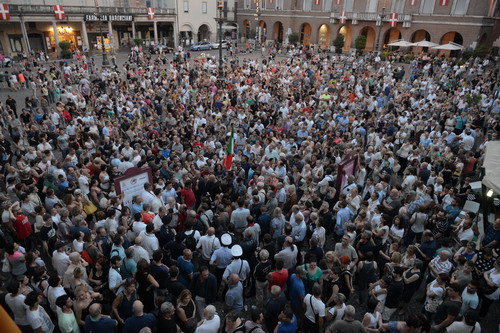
column 432, row 304
column 485, row 288
column 316, row 315
column 6, row 266
column 90, row 208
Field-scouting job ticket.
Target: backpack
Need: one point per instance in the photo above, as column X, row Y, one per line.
column 191, row 241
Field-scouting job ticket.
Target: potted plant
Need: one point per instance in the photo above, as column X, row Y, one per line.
column 360, row 43
column 293, row 38
column 339, row 43
column 65, row 52
column 138, row 41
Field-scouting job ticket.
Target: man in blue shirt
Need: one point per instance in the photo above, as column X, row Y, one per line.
column 96, row 322
column 139, row 320
column 297, row 291
column 343, row 216
column 186, row 267
column 288, row 322
column 234, row 296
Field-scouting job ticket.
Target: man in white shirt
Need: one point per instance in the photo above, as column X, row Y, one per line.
column 208, row 244
column 53, row 291
column 147, row 195
column 15, row 301
column 138, row 226
column 314, row 306
column 150, row 242
column 210, row 322
column 239, row 216
column 115, row 280
column 36, row 315
column 139, row 251
column 84, row 182
column 60, row 259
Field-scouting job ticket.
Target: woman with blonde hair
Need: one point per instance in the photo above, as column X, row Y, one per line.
column 186, row 308
column 277, row 223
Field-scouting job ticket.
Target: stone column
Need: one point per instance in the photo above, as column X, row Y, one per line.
column 133, row 30
column 176, row 36
column 85, row 36
column 25, row 36
column 155, row 28
column 111, row 36
column 56, row 37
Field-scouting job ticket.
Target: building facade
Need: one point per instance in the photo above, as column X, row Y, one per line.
column 318, row 22
column 34, row 26
column 197, row 20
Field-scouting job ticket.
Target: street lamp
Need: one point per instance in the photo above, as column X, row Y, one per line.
column 257, row 19
column 220, row 19
column 377, row 45
column 105, row 60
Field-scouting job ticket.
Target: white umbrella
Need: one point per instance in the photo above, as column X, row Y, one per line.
column 425, row 43
column 450, row 46
column 400, row 42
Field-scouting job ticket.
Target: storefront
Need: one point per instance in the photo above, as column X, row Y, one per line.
column 66, row 33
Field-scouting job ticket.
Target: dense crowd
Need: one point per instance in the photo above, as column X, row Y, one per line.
column 271, row 244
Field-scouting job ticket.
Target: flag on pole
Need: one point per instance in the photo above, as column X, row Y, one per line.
column 342, row 17
column 228, row 160
column 393, row 19
column 151, row 13
column 317, row 2
column 59, row 12
column 412, row 2
column 444, row 2
column 4, row 11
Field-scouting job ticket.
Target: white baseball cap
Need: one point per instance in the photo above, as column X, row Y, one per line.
column 236, row 251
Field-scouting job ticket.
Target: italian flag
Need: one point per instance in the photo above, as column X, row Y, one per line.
column 228, row 160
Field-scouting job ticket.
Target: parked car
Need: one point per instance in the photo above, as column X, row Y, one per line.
column 155, row 49
column 201, row 46
column 225, row 45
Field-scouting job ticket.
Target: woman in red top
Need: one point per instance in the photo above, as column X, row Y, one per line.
column 278, row 277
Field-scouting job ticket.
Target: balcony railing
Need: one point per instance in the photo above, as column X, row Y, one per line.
column 45, row 9
column 356, row 17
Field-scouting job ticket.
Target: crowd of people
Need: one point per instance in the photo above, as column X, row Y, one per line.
column 271, row 243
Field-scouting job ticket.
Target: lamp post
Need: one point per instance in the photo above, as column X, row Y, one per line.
column 377, row 45
column 257, row 25
column 105, row 60
column 220, row 20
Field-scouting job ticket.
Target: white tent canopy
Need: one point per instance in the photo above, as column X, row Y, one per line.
column 492, row 166
column 400, row 42
column 450, row 46
column 424, row 43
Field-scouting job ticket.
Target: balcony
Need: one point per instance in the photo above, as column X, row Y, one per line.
column 46, row 9
column 405, row 19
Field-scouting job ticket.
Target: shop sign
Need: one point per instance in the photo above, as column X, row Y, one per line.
column 106, row 18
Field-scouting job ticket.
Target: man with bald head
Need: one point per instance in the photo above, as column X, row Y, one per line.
column 139, row 320
column 97, row 322
column 234, row 296
column 139, row 251
column 207, row 245
column 274, row 307
column 392, row 203
column 440, row 264
column 348, row 324
column 75, row 261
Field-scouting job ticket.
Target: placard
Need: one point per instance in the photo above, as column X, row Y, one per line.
column 132, row 183
column 346, row 167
